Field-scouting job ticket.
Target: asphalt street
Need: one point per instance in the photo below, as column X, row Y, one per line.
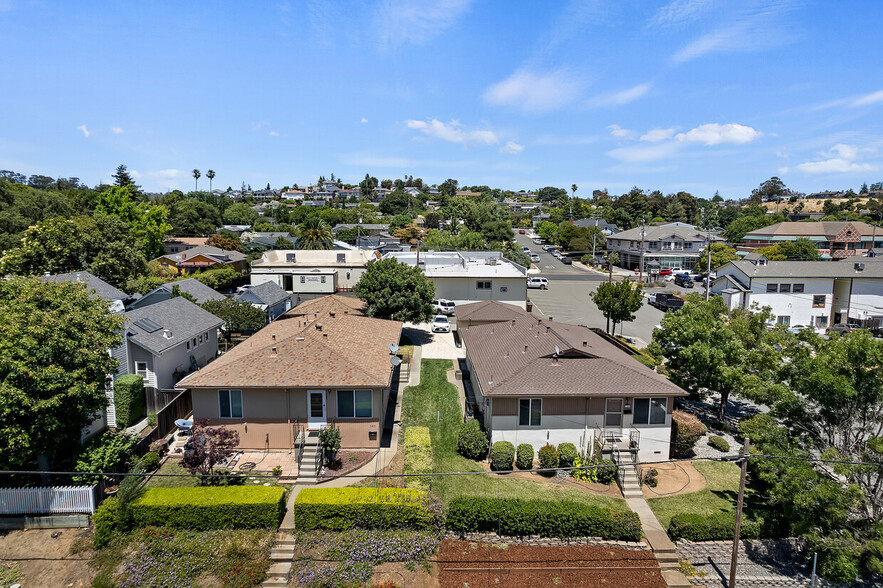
column 567, row 299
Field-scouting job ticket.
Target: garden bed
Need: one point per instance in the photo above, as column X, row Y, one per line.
column 349, row 461
column 501, row 565
column 611, row 490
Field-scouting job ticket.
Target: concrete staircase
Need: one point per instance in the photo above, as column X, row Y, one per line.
column 281, row 555
column 306, row 474
column 631, row 485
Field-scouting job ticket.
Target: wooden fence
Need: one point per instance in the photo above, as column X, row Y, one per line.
column 47, row 500
column 179, row 408
column 156, row 399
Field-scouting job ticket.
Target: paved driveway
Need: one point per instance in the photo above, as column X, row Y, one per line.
column 433, row 345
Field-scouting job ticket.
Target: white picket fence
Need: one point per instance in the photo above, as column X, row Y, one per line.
column 47, row 500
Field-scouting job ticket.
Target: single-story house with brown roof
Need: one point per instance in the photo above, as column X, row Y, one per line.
column 203, row 257
column 538, row 381
column 321, row 363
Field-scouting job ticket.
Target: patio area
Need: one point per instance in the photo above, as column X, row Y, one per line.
column 252, row 462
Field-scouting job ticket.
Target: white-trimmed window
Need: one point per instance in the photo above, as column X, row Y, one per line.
column 483, row 285
column 200, row 339
column 784, row 320
column 193, row 343
column 141, row 369
column 230, row 404
column 530, row 412
column 354, row 404
column 649, row 411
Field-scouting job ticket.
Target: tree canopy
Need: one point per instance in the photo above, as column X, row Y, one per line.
column 801, row 249
column 720, row 254
column 54, row 365
column 618, row 301
column 237, row 316
column 397, row 291
column 314, row 233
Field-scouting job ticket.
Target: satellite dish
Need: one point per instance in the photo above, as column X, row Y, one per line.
column 393, row 347
column 395, row 360
column 557, row 352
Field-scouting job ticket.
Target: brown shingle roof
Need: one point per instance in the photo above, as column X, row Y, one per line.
column 810, row 229
column 516, row 357
column 343, row 351
column 331, row 303
column 486, row 311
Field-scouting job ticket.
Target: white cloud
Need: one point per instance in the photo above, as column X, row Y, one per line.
column 841, row 158
column 535, row 92
column 512, row 148
column 117, row 130
column 715, row 134
column 871, row 98
column 681, row 12
column 619, row 132
column 364, row 120
column 256, row 126
column 167, row 179
column 273, row 134
column 84, row 130
column 453, row 132
column 657, row 135
column 853, row 101
column 623, row 97
column 416, row 21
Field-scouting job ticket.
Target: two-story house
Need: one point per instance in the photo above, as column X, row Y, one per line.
column 672, row 245
column 308, row 273
column 835, row 240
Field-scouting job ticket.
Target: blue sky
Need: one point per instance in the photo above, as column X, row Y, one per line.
column 695, row 95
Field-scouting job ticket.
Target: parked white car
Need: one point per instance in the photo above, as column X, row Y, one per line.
column 443, row 306
column 534, row 258
column 440, row 324
column 538, row 282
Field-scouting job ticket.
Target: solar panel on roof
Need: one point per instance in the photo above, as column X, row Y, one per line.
column 147, row 325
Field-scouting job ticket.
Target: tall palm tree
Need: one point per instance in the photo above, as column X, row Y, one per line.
column 196, row 175
column 210, row 174
column 314, row 233
column 573, row 190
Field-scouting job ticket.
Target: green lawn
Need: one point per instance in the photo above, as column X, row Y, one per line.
column 171, row 467
column 720, row 494
column 434, row 404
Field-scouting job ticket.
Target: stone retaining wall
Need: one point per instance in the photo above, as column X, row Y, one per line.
column 545, row 541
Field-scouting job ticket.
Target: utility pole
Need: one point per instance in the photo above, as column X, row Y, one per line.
column 641, row 276
column 707, row 224
column 739, row 501
column 594, row 234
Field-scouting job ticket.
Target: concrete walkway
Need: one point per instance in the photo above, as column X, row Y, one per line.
column 664, row 550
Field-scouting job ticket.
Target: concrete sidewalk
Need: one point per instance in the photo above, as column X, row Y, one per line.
column 664, row 550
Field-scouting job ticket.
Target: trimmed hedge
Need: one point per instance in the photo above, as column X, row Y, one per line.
column 548, row 458
column 502, row 456
column 718, row 443
column 128, row 399
column 716, row 527
column 204, row 508
column 105, row 518
column 338, row 509
column 685, row 431
column 567, row 455
column 524, row 456
column 472, row 442
column 418, row 457
column 519, row 517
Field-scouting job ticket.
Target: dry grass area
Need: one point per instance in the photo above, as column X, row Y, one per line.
column 46, row 561
column 809, row 204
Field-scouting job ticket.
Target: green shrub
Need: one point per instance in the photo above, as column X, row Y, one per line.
column 109, row 452
column 650, row 477
column 548, row 456
column 606, row 474
column 151, row 419
column 502, row 456
column 587, row 259
column 685, row 431
column 128, row 399
column 838, row 565
column 567, row 455
column 472, row 442
column 718, row 443
column 338, row 509
column 761, row 428
column 524, row 456
column 105, row 519
column 518, row 517
column 329, row 437
column 150, row 461
column 418, row 457
column 204, row 508
column 716, row 527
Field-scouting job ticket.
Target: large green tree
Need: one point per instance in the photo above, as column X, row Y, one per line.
column 237, row 316
column 54, row 366
column 147, row 221
column 397, row 291
column 240, row 214
column 712, row 350
column 103, row 246
column 618, row 301
column 801, row 249
column 720, row 254
column 194, row 218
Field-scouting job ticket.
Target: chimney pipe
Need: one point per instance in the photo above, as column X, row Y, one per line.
column 274, row 350
column 167, row 333
column 332, row 314
column 525, row 349
column 318, row 326
column 548, row 328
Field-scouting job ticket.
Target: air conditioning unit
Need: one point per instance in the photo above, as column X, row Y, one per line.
column 859, row 267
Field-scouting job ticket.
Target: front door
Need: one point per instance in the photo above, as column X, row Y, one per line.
column 316, row 409
column 613, row 415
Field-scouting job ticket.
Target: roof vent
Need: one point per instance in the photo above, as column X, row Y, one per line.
column 332, row 314
column 513, row 322
column 273, row 349
column 859, row 267
column 318, row 326
column 273, row 336
column 298, row 338
column 585, row 343
column 525, row 349
column 325, row 335
column 548, row 328
column 167, row 333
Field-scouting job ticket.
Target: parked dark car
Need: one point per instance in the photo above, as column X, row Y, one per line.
column 876, row 332
column 566, row 260
column 666, row 302
column 683, row 280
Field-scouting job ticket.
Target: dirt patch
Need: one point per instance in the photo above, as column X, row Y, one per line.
column 44, row 561
column 346, row 462
column 611, row 490
column 674, row 479
column 399, row 574
column 501, row 565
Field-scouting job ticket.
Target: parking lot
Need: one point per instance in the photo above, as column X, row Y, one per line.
column 567, row 298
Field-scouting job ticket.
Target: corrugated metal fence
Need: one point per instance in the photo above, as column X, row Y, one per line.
column 47, row 500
